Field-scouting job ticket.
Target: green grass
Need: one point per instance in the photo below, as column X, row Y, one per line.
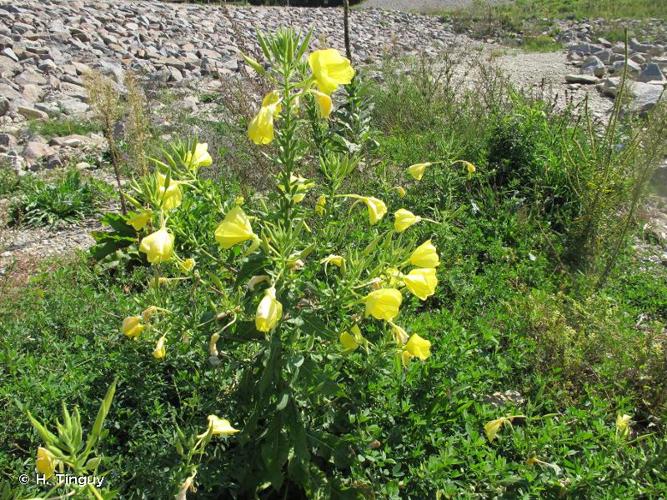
column 511, row 314
column 59, row 127
column 61, row 201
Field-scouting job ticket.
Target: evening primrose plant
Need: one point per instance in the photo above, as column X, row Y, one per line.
column 291, row 302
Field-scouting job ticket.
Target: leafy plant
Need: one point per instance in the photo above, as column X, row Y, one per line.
column 66, row 201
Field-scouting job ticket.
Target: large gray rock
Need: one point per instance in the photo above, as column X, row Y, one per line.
column 592, row 65
column 32, row 113
column 645, row 97
column 585, row 79
column 37, row 150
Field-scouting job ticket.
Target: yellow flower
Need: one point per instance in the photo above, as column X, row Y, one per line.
column 383, row 303
column 330, row 69
column 492, row 428
column 351, row 342
column 235, row 228
column 425, row 255
column 188, row 265
column 239, row 200
column 260, row 129
column 421, row 282
column 623, row 424
column 321, row 204
column 418, row 347
column 335, row 260
column 300, row 185
column 469, row 167
column 219, row 427
column 200, row 158
column 376, row 209
column 269, row 311
column 158, row 246
column 139, row 220
column 400, row 190
column 256, row 280
column 148, row 313
column 400, row 335
column 417, row 170
column 132, row 326
column 171, row 195
column 324, row 103
column 46, row 462
column 160, row 350
column 403, row 219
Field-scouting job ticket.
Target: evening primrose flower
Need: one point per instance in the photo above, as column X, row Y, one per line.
column 330, row 69
column 335, row 260
column 425, row 255
column 171, row 194
column 132, row 326
column 421, row 282
column 351, row 341
column 148, row 313
column 219, row 427
column 300, row 185
column 324, row 103
column 623, row 425
column 260, row 129
column 492, row 427
column 269, row 311
column 403, row 219
column 321, row 204
column 383, row 303
column 46, row 462
column 400, row 190
column 158, row 246
column 417, row 170
column 160, row 350
column 376, row 208
column 400, row 335
column 234, row 228
column 200, row 157
column 418, row 347
column 188, row 265
column 139, row 220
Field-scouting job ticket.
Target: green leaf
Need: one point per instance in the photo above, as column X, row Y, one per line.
column 101, row 415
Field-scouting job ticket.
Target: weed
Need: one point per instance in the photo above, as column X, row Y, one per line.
column 62, row 127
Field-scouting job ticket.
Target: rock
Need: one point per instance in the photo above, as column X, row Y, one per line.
column 585, row 79
column 31, row 92
column 37, row 150
column 32, row 113
column 30, row 76
column 633, row 68
column 638, row 58
column 4, row 106
column 72, row 106
column 651, row 73
column 7, row 141
column 645, row 95
column 174, row 74
column 10, row 53
column 592, row 65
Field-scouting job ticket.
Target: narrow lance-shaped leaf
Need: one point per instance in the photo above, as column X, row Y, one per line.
column 101, row 415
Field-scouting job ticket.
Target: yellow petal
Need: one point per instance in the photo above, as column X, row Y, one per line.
column 132, row 326
column 269, row 311
column 321, row 204
column 421, row 282
column 400, row 335
column 158, row 246
column 324, row 103
column 403, row 219
column 425, row 255
column 171, row 195
column 46, row 462
column 418, row 347
column 160, row 350
column 417, row 170
column 335, row 260
column 188, row 265
column 260, row 129
column 235, row 228
column 383, row 303
column 139, row 220
column 376, row 209
column 493, row 427
column 200, row 158
column 330, row 69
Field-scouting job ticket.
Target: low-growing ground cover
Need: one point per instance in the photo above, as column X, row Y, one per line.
column 533, row 358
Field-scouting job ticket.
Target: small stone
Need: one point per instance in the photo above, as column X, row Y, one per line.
column 10, row 53
column 633, row 68
column 4, row 106
column 584, row 79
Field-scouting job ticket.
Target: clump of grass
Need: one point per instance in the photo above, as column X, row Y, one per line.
column 68, row 200
column 9, row 180
column 60, row 127
column 540, row 43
